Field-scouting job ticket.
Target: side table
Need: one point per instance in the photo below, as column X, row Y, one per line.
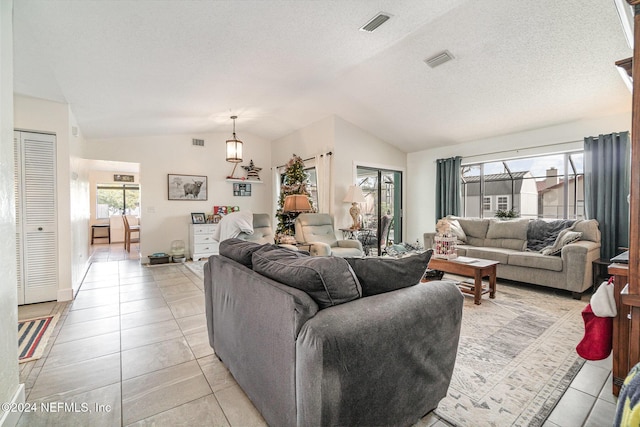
column 362, row 234
column 599, row 266
column 304, row 246
column 95, row 227
column 350, row 233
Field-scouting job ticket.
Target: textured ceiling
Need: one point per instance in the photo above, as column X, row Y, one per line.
column 131, row 68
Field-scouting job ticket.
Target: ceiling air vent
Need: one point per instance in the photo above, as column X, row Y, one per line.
column 374, row 23
column 439, row 59
column 198, row 142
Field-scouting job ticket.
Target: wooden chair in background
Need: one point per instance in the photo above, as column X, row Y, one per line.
column 130, row 226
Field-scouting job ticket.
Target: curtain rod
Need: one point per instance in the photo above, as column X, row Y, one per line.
column 310, row 158
column 518, row 150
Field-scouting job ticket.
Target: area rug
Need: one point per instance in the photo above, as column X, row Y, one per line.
column 33, row 335
column 197, row 267
column 516, row 357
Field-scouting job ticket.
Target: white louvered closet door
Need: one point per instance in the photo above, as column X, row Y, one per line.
column 36, row 218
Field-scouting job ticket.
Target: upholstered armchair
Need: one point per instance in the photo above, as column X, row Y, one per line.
column 316, row 229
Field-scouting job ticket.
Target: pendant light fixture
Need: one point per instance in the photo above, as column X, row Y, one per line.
column 234, row 146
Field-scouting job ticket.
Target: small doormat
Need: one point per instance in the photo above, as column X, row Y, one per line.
column 33, row 335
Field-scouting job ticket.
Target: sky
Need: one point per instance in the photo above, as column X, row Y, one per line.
column 536, row 165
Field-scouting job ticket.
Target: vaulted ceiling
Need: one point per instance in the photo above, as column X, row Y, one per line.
column 132, row 68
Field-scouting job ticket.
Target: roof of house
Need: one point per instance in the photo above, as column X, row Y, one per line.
column 496, row 184
column 561, row 183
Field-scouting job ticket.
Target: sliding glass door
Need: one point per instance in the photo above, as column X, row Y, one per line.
column 382, row 212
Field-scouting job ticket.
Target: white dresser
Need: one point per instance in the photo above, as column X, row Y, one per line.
column 201, row 243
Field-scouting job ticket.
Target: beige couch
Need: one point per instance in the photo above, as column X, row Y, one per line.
column 506, row 242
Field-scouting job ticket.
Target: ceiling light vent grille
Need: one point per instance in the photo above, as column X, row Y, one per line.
column 374, row 23
column 439, row 59
column 198, row 142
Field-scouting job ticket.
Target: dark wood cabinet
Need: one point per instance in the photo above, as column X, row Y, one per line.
column 621, row 327
column 626, row 338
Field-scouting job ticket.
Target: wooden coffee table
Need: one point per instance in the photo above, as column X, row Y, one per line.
column 470, row 267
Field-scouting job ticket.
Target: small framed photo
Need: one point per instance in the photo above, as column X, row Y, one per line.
column 198, row 218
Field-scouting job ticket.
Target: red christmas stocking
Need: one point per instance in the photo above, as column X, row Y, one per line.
column 598, row 336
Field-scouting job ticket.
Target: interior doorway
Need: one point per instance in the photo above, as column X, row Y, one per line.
column 114, row 191
column 382, row 211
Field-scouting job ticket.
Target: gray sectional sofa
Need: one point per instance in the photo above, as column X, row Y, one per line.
column 330, row 356
column 507, row 242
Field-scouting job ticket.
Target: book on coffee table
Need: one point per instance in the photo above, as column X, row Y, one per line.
column 469, row 284
column 464, row 260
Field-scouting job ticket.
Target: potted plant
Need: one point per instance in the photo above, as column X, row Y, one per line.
column 507, row 214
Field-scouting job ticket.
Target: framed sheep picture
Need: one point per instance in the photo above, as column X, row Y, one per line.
column 187, row 187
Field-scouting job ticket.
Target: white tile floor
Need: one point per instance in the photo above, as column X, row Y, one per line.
column 135, row 339
column 589, row 401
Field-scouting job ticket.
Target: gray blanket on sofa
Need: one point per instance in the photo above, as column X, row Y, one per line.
column 541, row 233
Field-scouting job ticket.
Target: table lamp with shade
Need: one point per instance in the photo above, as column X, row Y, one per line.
column 296, row 203
column 355, row 196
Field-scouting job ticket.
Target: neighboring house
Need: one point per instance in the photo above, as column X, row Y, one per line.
column 531, row 198
column 502, row 191
column 551, row 200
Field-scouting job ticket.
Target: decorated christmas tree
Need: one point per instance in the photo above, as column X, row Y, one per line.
column 294, row 181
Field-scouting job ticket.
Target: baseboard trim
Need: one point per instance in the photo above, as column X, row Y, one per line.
column 65, row 294
column 10, row 419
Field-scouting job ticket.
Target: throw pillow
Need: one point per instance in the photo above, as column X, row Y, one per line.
column 509, row 229
column 239, row 250
column 328, row 280
column 564, row 238
column 457, row 230
column 474, row 227
column 382, row 274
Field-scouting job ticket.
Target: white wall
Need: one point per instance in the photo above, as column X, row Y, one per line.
column 78, row 205
column 163, row 220
column 421, row 167
column 356, row 147
column 79, row 211
column 350, row 145
column 10, row 390
column 316, row 138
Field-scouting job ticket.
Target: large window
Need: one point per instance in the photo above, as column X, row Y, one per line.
column 117, row 199
column 312, row 185
column 550, row 186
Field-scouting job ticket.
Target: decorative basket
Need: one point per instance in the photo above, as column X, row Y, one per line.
column 287, row 240
column 444, row 246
